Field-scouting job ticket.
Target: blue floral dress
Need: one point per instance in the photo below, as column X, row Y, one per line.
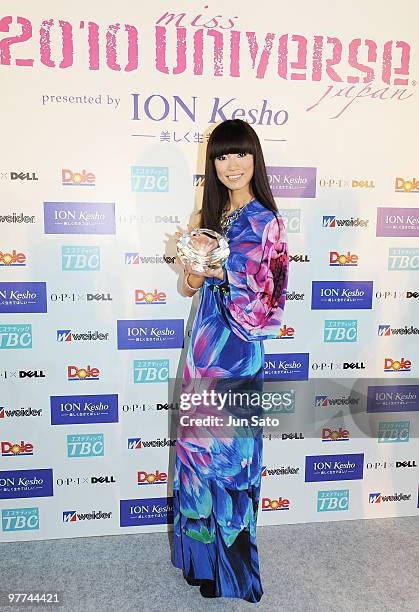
column 218, row 469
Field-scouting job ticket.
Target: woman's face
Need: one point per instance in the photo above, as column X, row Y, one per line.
column 235, row 170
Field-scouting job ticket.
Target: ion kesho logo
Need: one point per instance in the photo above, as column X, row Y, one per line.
column 393, row 398
column 286, row 182
column 149, row 511
column 72, row 409
column 79, row 218
column 23, row 297
column 334, row 467
column 146, row 334
column 339, row 295
column 26, row 483
column 400, row 222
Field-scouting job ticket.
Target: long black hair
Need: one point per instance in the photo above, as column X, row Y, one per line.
column 232, row 136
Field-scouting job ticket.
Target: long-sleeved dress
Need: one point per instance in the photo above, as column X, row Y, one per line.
column 218, row 469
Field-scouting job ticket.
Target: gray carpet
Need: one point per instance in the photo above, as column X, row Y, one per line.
column 344, row 565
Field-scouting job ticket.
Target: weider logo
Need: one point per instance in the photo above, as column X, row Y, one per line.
column 72, row 516
column 378, row 498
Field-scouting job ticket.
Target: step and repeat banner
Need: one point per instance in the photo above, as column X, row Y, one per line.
column 106, row 111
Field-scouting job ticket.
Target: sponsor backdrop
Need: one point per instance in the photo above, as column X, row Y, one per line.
column 105, row 122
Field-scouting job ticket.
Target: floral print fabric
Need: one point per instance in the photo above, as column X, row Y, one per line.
column 218, row 470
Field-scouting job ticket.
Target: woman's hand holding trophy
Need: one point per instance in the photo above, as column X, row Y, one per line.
column 202, row 252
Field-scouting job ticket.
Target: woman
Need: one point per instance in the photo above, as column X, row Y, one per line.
column 217, row 475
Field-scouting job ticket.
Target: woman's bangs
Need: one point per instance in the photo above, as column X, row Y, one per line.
column 229, row 139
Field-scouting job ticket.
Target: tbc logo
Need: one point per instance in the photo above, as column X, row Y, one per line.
column 18, row 336
column 151, row 370
column 10, row 449
column 80, row 258
column 20, row 519
column 329, row 501
column 397, row 365
column 275, row 504
column 149, row 178
column 82, row 179
column 144, row 478
column 12, row 259
column 87, row 373
column 340, row 330
column 85, row 445
column 406, row 186
column 393, row 431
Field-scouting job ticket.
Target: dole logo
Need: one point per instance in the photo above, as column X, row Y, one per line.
column 10, row 449
column 406, row 186
column 397, row 365
column 12, row 259
column 149, row 297
column 144, row 478
column 286, row 333
column 337, row 259
column 334, row 435
column 87, row 373
column 83, row 178
column 275, row 504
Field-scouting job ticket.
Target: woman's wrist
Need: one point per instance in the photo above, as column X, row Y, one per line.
column 193, row 282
